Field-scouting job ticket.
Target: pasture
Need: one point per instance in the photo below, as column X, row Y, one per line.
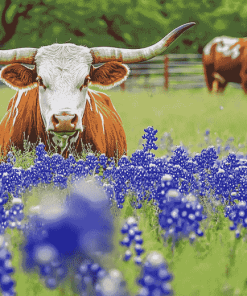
column 215, row 264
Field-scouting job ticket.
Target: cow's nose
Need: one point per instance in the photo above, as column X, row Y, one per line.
column 64, row 122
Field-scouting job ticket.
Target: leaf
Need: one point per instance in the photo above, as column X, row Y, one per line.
column 11, row 13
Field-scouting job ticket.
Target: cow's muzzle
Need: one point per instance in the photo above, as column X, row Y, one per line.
column 65, row 123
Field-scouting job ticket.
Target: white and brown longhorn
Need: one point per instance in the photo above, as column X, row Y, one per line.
column 53, row 102
column 224, row 60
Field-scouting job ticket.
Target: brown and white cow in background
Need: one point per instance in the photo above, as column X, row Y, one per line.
column 53, row 102
column 225, row 60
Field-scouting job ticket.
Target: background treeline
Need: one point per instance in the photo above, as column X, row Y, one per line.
column 119, row 23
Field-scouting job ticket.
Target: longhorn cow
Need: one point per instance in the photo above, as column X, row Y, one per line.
column 224, row 60
column 53, row 102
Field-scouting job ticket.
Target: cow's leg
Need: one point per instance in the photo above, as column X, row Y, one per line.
column 218, row 87
column 222, row 87
column 208, row 70
column 244, row 85
column 243, row 76
column 219, row 83
column 215, row 86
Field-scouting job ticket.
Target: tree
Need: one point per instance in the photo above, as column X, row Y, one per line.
column 35, row 23
column 125, row 23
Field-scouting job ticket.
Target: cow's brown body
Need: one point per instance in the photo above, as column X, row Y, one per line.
column 224, row 60
column 107, row 137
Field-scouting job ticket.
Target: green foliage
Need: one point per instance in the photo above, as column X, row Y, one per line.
column 127, row 24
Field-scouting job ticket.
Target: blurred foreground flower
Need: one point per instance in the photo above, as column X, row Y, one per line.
column 77, row 228
column 111, row 285
column 7, row 284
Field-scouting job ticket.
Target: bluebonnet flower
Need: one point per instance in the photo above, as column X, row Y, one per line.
column 155, row 277
column 180, row 157
column 92, row 163
column 133, row 236
column 150, row 137
column 167, row 183
column 180, row 215
column 206, row 159
column 238, row 215
column 218, row 149
column 103, row 160
column 11, row 158
column 15, row 214
column 87, row 276
column 40, row 152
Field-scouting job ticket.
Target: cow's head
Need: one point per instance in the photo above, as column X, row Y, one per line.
column 63, row 72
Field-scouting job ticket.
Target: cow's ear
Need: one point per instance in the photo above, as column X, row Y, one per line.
column 19, row 77
column 109, row 75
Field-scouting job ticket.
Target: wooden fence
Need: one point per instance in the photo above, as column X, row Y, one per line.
column 171, row 71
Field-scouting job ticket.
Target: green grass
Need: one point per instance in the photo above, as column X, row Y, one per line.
column 215, row 264
column 185, row 114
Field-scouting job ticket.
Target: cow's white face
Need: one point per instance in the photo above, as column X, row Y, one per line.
column 63, row 69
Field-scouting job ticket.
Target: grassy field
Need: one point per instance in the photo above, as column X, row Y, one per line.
column 184, row 114
column 198, row 270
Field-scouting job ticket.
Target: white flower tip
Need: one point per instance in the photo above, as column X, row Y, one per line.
column 166, row 177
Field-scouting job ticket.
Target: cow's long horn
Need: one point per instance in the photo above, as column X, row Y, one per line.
column 128, row 56
column 18, row 55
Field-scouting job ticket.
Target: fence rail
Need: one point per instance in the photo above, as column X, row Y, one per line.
column 171, row 71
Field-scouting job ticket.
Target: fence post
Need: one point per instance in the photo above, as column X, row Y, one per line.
column 166, row 72
column 122, row 85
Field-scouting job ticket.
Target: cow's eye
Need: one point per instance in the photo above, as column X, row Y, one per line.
column 86, row 81
column 40, row 82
